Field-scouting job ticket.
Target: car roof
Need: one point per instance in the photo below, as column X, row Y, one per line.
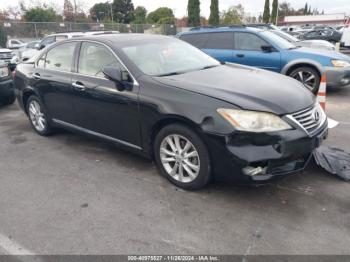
column 222, row 29
column 124, row 38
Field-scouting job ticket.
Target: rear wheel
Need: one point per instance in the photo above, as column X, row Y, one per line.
column 182, row 157
column 38, row 117
column 9, row 100
column 308, row 76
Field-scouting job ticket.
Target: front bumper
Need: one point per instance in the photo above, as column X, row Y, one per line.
column 6, row 88
column 259, row 157
column 337, row 77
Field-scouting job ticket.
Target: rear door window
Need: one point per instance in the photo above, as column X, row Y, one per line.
column 197, row 40
column 248, row 41
column 220, row 40
column 60, row 57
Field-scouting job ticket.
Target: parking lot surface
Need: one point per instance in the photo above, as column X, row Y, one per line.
column 70, row 194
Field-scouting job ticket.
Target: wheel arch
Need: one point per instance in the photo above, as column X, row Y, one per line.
column 165, row 121
column 28, row 92
column 288, row 68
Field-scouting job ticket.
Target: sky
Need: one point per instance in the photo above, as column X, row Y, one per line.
column 253, row 7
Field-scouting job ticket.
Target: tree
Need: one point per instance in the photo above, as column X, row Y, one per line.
column 266, row 14
column 306, row 9
column 140, row 15
column 214, row 18
column 274, row 12
column 68, row 11
column 100, row 11
column 233, row 16
column 39, row 14
column 193, row 9
column 123, row 11
column 163, row 15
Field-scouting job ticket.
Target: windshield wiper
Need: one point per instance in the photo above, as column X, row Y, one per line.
column 209, row 66
column 170, row 74
column 294, row 47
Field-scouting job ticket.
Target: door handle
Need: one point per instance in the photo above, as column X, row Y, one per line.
column 79, row 86
column 36, row 76
column 240, row 55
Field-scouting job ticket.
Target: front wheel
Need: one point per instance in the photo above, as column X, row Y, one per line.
column 182, row 157
column 308, row 76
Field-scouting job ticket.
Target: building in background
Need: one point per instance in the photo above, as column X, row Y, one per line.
column 328, row 19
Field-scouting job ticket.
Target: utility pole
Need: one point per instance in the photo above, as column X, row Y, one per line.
column 277, row 15
column 75, row 10
column 111, row 6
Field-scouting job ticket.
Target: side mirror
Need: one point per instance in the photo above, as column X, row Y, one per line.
column 121, row 78
column 267, row 48
column 37, row 46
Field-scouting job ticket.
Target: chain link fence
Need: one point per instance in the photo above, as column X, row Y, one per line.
column 31, row 31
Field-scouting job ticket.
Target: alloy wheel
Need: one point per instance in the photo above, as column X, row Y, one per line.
column 179, row 158
column 36, row 115
column 306, row 77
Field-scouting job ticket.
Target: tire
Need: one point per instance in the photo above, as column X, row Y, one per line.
column 307, row 72
column 9, row 100
column 192, row 171
column 38, row 119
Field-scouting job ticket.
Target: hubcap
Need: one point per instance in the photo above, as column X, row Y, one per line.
column 180, row 158
column 307, row 78
column 37, row 116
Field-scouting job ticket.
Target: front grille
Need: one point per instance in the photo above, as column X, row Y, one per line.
column 310, row 119
column 5, row 56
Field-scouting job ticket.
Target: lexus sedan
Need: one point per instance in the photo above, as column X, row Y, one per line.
column 167, row 100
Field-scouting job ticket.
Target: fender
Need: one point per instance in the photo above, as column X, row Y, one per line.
column 319, row 67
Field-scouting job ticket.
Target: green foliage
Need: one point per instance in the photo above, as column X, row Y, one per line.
column 306, row 9
column 100, row 11
column 193, row 8
column 123, row 11
column 233, row 16
column 214, row 18
column 274, row 11
column 140, row 15
column 266, row 14
column 163, row 15
column 38, row 14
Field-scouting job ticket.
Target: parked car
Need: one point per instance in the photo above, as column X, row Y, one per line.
column 332, row 36
column 7, row 94
column 28, row 51
column 14, row 43
column 6, row 55
column 264, row 49
column 167, row 100
column 322, row 44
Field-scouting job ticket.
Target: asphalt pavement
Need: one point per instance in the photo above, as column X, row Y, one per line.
column 70, row 194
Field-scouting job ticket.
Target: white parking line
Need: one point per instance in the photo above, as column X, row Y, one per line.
column 13, row 248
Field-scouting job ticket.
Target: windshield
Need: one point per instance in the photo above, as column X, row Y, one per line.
column 278, row 40
column 286, row 36
column 168, row 56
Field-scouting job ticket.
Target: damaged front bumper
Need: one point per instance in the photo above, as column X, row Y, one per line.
column 262, row 156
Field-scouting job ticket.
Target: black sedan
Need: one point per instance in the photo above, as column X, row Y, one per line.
column 332, row 36
column 165, row 99
column 7, row 92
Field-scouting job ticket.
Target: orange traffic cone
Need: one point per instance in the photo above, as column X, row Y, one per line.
column 321, row 95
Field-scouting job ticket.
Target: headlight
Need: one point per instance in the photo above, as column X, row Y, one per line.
column 253, row 121
column 4, row 71
column 340, row 63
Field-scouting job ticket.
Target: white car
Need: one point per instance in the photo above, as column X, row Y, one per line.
column 28, row 51
column 6, row 55
column 14, row 43
column 320, row 44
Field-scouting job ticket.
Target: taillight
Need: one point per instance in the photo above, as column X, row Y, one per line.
column 4, row 71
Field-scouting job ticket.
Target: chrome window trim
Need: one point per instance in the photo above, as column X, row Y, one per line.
column 135, row 83
column 90, row 132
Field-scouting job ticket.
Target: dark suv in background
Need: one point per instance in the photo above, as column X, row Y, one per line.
column 7, row 94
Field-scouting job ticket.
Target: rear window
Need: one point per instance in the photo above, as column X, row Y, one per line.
column 197, row 40
column 220, row 40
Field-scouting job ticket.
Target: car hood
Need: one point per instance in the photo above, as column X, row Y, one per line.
column 246, row 87
column 5, row 50
column 321, row 52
